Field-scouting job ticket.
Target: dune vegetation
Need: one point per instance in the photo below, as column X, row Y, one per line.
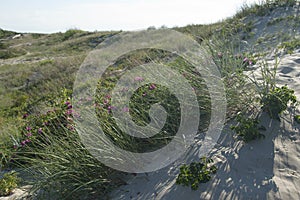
column 38, row 136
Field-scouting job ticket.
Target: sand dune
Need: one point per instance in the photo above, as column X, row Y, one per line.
column 263, row 169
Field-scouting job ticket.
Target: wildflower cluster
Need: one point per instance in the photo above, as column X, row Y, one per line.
column 243, row 61
column 57, row 120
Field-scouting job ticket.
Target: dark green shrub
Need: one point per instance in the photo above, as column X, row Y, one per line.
column 297, row 118
column 247, row 128
column 70, row 33
column 196, row 173
column 276, row 101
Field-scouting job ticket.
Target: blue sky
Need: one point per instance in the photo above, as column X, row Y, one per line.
column 60, row 15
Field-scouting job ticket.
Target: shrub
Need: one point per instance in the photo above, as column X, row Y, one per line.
column 196, row 173
column 276, row 101
column 297, row 118
column 70, row 33
column 8, row 183
column 247, row 129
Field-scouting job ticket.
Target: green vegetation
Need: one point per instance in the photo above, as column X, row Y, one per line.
column 297, row 118
column 290, row 46
column 8, row 183
column 71, row 33
column 196, row 173
column 248, row 128
column 37, row 129
column 276, row 101
column 264, row 8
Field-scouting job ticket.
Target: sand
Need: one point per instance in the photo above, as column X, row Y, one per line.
column 262, row 169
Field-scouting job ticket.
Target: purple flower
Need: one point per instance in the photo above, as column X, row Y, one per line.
column 23, row 143
column 28, row 128
column 15, row 146
column 105, row 101
column 69, row 112
column 67, row 103
column 25, row 115
column 29, row 134
column 125, row 109
column 138, row 78
column 109, row 108
column 40, row 130
column 144, row 94
column 27, row 141
column 152, row 86
column 245, row 60
column 69, row 106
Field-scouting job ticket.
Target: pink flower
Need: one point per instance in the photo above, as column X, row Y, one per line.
column 152, row 86
column 245, row 59
column 105, row 101
column 138, row 78
column 40, row 130
column 23, row 143
column 69, row 112
column 109, row 108
column 25, row 115
column 28, row 128
column 144, row 94
column 89, row 98
column 125, row 109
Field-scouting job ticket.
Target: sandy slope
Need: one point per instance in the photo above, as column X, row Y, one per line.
column 262, row 169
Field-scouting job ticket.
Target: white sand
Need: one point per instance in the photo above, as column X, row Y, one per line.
column 263, row 169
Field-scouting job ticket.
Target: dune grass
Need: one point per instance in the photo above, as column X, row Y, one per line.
column 37, row 130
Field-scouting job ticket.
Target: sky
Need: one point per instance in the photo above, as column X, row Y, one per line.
column 105, row 15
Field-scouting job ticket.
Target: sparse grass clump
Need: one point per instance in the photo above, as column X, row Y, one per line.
column 290, row 46
column 264, row 8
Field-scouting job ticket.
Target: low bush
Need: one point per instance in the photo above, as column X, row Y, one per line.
column 196, row 173
column 297, row 118
column 8, row 183
column 247, row 128
column 277, row 100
